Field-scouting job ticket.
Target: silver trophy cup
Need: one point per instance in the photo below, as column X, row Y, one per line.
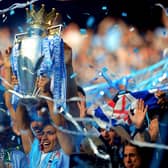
column 28, row 59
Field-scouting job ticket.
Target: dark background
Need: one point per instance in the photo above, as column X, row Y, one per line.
column 140, row 13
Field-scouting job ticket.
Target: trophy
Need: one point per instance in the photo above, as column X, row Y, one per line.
column 33, row 54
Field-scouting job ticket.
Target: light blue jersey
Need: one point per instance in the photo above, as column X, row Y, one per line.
column 55, row 159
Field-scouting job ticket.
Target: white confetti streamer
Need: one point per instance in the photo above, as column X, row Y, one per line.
column 17, row 5
column 164, row 9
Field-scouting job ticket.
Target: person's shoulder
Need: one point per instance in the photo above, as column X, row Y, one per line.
column 60, row 159
column 61, row 153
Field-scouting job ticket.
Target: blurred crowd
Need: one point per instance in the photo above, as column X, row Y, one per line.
column 116, row 45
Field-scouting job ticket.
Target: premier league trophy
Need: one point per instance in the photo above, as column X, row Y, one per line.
column 39, row 51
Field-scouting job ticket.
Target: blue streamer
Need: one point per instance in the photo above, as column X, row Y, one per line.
column 106, row 77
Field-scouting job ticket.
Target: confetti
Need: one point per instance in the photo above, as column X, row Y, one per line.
column 131, row 29
column 90, row 21
column 101, row 92
column 83, row 31
column 68, row 16
column 73, row 75
column 104, row 8
column 4, row 19
column 13, row 138
column 20, row 29
column 12, row 12
column 86, row 13
column 124, row 14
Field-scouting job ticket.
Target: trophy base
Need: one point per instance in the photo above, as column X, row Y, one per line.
column 29, row 100
column 26, row 100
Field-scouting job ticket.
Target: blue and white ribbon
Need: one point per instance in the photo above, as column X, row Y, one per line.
column 46, row 64
column 59, row 71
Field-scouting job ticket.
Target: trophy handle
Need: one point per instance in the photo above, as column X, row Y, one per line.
column 20, row 36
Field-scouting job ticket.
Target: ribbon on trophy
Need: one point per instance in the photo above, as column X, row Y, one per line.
column 46, row 65
column 59, row 72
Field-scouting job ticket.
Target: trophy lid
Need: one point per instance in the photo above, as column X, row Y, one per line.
column 40, row 21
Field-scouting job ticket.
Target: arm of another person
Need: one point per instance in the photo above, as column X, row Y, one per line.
column 19, row 117
column 23, row 124
column 139, row 116
column 8, row 77
column 137, row 119
column 9, row 84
